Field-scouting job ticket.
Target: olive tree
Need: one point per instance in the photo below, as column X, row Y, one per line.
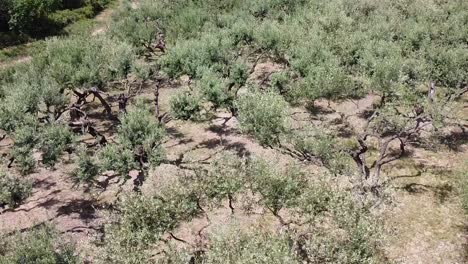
column 263, row 115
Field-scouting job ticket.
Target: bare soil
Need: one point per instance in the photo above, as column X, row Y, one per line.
column 424, row 219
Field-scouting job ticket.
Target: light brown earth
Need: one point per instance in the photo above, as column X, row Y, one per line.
column 424, row 220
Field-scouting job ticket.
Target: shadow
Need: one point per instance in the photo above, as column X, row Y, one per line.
column 104, row 184
column 181, row 142
column 48, row 203
column 221, row 130
column 314, row 109
column 210, row 143
column 345, row 132
column 390, row 180
column 442, row 192
column 366, row 114
column 81, row 229
column 44, row 184
column 455, row 139
column 84, row 208
column 237, row 147
column 173, row 132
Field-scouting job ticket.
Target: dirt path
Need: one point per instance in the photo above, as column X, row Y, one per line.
column 22, row 59
column 103, row 20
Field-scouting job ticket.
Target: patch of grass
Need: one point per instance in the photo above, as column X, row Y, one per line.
column 11, row 54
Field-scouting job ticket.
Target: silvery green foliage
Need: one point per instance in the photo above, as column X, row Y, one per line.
column 263, row 115
column 13, row 190
column 40, row 245
column 87, row 169
column 185, row 105
column 53, row 140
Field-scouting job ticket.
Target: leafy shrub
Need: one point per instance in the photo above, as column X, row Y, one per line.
column 72, row 61
column 61, row 18
column 279, row 189
column 185, row 105
column 352, row 239
column 214, row 89
column 20, row 103
column 138, row 127
column 26, row 138
column 134, row 27
column 188, row 56
column 241, row 31
column 263, row 115
column 117, row 158
column 87, row 168
column 225, row 179
column 323, row 146
column 269, row 37
column 236, row 245
column 144, row 219
column 326, row 81
column 238, row 74
column 39, row 246
column 54, row 139
column 13, row 190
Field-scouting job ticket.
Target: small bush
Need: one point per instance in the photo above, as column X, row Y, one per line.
column 87, row 168
column 54, row 139
column 236, row 245
column 225, row 179
column 214, row 89
column 13, row 190
column 138, row 127
column 72, row 61
column 143, row 219
column 117, row 158
column 26, row 138
column 185, row 105
column 263, row 115
column 325, row 147
column 39, row 246
column 213, row 50
column 279, row 189
column 140, row 130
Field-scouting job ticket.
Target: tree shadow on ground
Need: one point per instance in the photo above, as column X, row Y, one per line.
column 84, row 208
column 174, row 132
column 237, row 147
column 455, row 140
column 315, row 109
column 221, row 130
column 44, row 184
column 442, row 191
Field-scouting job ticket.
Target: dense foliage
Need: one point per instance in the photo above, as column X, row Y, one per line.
column 36, row 18
column 259, row 62
column 13, row 190
column 38, row 246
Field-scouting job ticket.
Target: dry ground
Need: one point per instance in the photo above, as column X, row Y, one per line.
column 423, row 217
column 424, row 220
